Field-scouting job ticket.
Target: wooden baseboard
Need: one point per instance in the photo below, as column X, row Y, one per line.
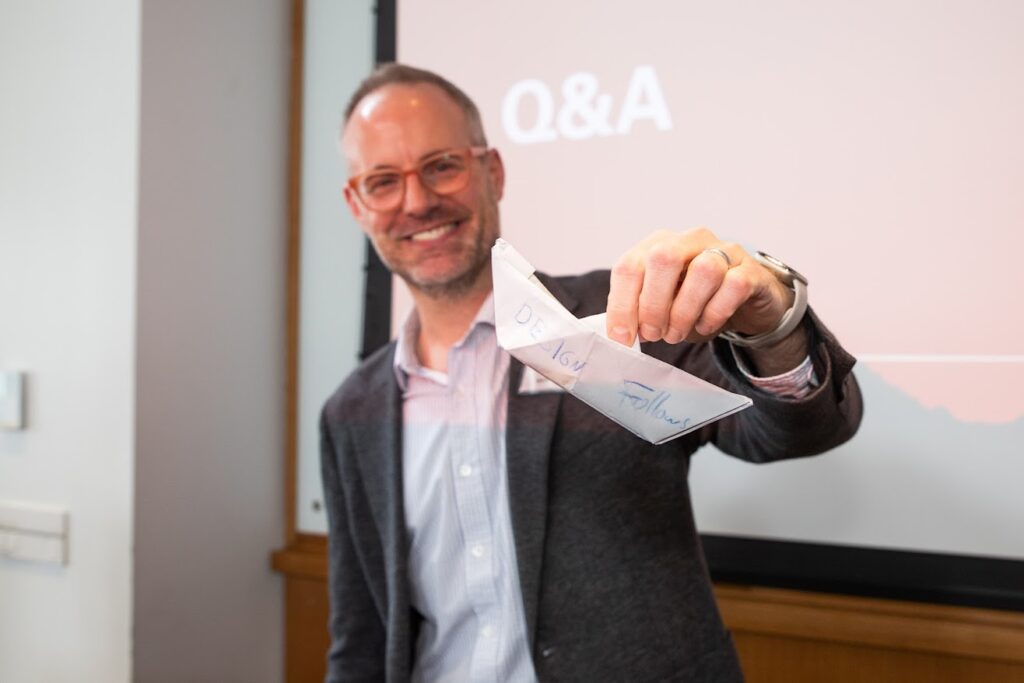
column 782, row 635
column 872, row 622
column 787, row 636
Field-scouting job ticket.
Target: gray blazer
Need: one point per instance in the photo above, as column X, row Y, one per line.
column 614, row 583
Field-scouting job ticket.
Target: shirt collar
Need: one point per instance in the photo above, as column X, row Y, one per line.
column 406, row 362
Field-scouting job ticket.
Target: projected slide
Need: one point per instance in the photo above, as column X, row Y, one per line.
column 875, row 146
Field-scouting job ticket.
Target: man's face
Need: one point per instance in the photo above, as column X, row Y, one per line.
column 439, row 245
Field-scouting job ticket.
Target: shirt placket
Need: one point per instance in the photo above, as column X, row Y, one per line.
column 471, row 497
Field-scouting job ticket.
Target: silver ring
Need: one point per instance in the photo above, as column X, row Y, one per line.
column 720, row 252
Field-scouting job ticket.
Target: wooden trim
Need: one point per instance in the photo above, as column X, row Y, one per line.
column 305, row 557
column 294, row 664
column 937, row 629
column 906, row 626
column 782, row 635
column 294, row 256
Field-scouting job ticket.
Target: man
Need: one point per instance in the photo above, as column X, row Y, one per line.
column 480, row 532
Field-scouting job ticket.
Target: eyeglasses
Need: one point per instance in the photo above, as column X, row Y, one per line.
column 443, row 173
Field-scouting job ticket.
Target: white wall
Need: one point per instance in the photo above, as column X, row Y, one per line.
column 68, row 126
column 142, row 260
column 209, row 468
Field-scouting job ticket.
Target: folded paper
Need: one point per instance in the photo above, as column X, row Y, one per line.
column 650, row 398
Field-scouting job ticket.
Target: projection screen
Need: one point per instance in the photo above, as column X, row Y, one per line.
column 874, row 146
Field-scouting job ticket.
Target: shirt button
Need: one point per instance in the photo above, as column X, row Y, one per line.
column 487, row 631
column 477, row 551
column 465, row 471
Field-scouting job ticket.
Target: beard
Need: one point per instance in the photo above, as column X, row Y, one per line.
column 454, row 287
column 472, row 257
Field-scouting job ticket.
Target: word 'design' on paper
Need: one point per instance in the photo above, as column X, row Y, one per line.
column 652, row 399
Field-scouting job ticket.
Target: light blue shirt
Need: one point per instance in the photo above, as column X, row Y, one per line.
column 463, row 574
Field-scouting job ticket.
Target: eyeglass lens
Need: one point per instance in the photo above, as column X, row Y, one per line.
column 443, row 174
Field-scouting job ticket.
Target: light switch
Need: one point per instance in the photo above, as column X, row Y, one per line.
column 33, row 547
column 38, row 533
column 12, row 400
column 33, row 518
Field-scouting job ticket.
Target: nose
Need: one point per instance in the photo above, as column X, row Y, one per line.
column 418, row 198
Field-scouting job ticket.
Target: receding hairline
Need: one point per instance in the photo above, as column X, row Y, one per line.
column 395, row 74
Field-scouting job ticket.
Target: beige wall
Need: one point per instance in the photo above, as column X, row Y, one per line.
column 209, row 464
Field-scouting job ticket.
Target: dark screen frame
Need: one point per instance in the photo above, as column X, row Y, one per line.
column 988, row 582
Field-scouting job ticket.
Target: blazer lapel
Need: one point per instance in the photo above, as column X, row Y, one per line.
column 528, row 434
column 378, row 445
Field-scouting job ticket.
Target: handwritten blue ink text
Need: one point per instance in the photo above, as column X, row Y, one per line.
column 647, row 400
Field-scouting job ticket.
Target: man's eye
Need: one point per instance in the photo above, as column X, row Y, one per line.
column 379, row 184
column 443, row 166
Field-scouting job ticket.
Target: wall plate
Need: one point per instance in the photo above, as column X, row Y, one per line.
column 12, row 400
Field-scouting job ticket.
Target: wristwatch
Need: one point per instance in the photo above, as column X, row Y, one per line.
column 790, row 319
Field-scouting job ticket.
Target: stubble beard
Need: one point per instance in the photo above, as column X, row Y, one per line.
column 455, row 285
column 461, row 283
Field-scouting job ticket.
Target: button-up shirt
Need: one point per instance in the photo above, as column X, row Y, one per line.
column 463, row 574
column 462, row 561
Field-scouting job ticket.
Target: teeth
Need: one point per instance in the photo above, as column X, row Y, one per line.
column 434, row 233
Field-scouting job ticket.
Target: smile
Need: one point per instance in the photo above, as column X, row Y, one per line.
column 434, row 233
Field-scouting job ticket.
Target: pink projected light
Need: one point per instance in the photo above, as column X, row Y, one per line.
column 972, row 388
column 877, row 153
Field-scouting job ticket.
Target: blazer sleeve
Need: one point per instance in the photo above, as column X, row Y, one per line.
column 357, row 650
column 777, row 428
column 773, row 428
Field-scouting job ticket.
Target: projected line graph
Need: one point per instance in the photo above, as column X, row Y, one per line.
column 976, row 388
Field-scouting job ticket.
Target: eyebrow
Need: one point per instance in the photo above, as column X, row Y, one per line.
column 435, row 152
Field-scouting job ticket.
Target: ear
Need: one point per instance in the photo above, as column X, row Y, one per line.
column 496, row 171
column 355, row 207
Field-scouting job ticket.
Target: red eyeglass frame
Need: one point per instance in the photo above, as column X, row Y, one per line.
column 471, row 152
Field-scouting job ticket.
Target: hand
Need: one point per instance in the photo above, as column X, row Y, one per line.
column 669, row 287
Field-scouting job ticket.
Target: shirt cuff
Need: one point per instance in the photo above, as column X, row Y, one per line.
column 795, row 384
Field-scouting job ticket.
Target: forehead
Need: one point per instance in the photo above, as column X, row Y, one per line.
column 399, row 124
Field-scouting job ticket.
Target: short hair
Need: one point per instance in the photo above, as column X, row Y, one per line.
column 403, row 74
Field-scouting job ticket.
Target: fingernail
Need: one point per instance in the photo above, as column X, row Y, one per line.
column 621, row 334
column 650, row 332
column 673, row 336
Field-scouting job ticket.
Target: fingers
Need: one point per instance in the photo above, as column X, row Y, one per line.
column 645, row 281
column 735, row 290
column 704, row 277
column 664, row 265
column 751, row 301
column 744, row 300
column 676, row 286
column 623, row 296
column 627, row 283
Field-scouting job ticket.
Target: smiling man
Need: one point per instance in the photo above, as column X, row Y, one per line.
column 425, row 188
column 481, row 531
